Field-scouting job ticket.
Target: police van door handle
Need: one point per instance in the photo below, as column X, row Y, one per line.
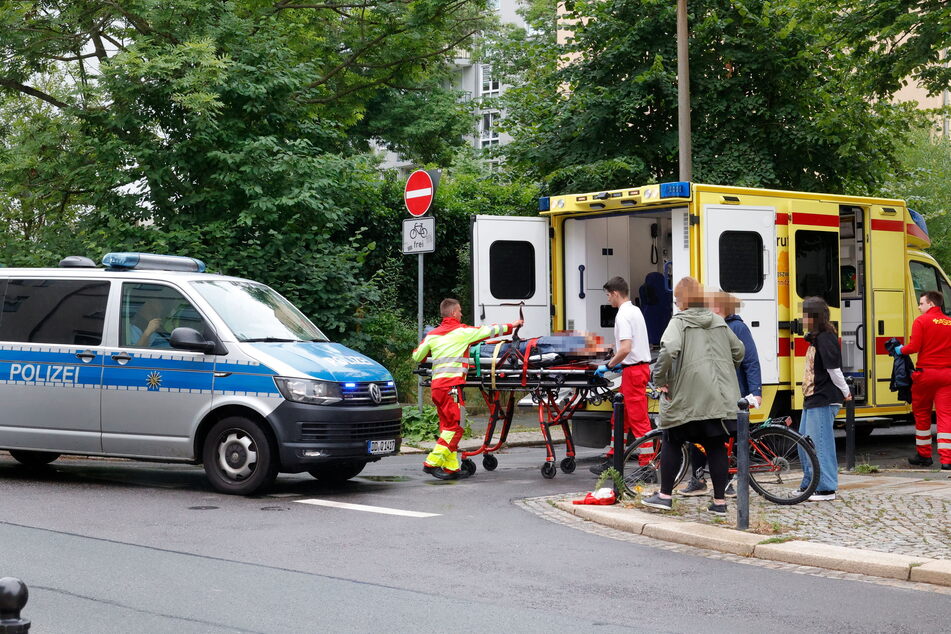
column 86, row 356
column 121, row 358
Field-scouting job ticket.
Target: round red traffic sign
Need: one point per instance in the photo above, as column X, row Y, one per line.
column 418, row 193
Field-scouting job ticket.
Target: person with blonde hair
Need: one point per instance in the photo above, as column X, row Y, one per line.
column 748, row 376
column 696, row 372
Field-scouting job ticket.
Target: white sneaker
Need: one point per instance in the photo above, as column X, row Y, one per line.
column 822, row 496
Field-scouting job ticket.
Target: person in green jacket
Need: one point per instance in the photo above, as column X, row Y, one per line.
column 696, row 372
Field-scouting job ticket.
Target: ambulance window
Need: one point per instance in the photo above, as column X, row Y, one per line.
column 741, row 261
column 70, row 312
column 512, row 269
column 817, row 265
column 150, row 312
column 925, row 277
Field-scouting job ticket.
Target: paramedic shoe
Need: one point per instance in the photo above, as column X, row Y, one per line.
column 441, row 474
column 601, row 467
column 822, row 496
column 694, row 487
column 920, row 461
column 946, row 467
column 730, row 491
column 717, row 509
column 657, row 502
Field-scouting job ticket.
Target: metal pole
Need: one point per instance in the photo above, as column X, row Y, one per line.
column 683, row 93
column 850, row 429
column 742, row 451
column 13, row 598
column 419, row 328
column 619, row 437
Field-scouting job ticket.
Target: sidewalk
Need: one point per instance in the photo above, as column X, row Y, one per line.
column 895, row 524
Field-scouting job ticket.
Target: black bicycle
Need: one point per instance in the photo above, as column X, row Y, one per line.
column 776, row 453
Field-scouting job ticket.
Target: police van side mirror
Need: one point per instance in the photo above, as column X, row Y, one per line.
column 191, row 339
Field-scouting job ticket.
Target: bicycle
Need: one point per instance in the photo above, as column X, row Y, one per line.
column 776, row 470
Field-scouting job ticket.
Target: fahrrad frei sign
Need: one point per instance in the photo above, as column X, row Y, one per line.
column 419, row 235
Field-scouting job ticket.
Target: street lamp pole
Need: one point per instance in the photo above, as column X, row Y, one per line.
column 683, row 93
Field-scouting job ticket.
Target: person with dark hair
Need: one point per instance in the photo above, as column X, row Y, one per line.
column 632, row 357
column 748, row 376
column 824, row 390
column 448, row 345
column 696, row 373
column 931, row 382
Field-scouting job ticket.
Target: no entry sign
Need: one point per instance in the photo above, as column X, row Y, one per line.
column 419, row 193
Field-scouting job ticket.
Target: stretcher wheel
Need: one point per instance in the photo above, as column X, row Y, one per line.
column 490, row 462
column 549, row 470
column 469, row 466
column 568, row 465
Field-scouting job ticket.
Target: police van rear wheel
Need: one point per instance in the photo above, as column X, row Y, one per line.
column 33, row 458
column 238, row 457
column 337, row 472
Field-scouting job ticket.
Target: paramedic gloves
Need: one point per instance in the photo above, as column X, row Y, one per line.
column 601, row 370
column 896, row 351
column 893, row 346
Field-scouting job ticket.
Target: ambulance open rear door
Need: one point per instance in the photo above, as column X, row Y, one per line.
column 510, row 265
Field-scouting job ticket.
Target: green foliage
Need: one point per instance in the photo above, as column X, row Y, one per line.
column 616, row 479
column 922, row 177
column 417, row 427
column 770, row 105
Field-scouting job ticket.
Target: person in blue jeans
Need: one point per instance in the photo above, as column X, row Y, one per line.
column 824, row 390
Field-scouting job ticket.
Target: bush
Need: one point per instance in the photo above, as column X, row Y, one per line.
column 417, row 427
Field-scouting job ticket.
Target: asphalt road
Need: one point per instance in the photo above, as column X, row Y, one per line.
column 112, row 546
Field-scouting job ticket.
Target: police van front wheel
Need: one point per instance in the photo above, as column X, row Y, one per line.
column 33, row 458
column 238, row 457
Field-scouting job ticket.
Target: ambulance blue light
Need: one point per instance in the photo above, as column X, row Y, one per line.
column 919, row 220
column 678, row 189
column 151, row 262
column 544, row 203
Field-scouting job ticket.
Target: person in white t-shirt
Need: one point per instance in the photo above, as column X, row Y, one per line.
column 632, row 357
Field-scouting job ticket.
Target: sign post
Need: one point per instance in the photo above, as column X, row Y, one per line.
column 419, row 236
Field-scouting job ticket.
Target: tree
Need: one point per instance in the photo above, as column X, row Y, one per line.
column 220, row 129
column 770, row 105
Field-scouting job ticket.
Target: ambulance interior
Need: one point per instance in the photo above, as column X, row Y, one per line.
column 852, row 281
column 638, row 247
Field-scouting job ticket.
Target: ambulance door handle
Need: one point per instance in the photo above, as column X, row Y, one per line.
column 581, row 287
column 86, row 356
column 881, row 327
column 121, row 358
column 765, row 263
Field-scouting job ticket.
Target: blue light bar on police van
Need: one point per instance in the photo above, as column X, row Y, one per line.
column 152, row 262
column 678, row 189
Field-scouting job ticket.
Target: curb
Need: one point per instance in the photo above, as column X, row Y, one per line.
column 803, row 553
column 469, row 445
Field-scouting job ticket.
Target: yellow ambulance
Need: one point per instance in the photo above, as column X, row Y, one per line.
column 770, row 248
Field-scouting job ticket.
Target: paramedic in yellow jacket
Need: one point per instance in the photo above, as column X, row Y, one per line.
column 448, row 345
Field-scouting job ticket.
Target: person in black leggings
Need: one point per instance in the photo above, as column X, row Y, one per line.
column 696, row 372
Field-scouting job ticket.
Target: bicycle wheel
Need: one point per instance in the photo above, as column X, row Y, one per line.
column 636, row 474
column 776, row 465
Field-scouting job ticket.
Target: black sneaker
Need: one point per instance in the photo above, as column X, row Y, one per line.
column 946, row 467
column 717, row 509
column 730, row 491
column 694, row 487
column 822, row 496
column 920, row 461
column 606, row 463
column 657, row 502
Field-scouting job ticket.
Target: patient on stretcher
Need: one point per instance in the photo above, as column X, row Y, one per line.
column 561, row 348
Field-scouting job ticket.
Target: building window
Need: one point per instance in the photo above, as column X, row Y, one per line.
column 69, row 312
column 741, row 261
column 488, row 130
column 817, row 265
column 512, row 269
column 490, row 85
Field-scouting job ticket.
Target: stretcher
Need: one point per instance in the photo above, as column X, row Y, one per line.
column 559, row 374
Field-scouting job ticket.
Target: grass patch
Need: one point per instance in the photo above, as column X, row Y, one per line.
column 866, row 468
column 779, row 540
column 764, row 527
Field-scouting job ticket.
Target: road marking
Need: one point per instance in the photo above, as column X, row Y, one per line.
column 369, row 509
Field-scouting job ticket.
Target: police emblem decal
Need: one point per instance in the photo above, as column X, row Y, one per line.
column 375, row 393
column 154, row 381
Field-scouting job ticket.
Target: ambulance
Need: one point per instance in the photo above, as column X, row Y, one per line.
column 148, row 357
column 770, row 248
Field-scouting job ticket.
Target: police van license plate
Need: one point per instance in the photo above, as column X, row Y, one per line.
column 381, row 446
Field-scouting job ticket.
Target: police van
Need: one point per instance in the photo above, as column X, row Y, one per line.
column 151, row 358
column 770, row 248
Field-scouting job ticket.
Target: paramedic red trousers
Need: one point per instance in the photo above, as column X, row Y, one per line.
column 450, row 431
column 634, row 380
column 931, row 388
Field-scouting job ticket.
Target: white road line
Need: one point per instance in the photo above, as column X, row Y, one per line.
column 416, row 193
column 368, row 509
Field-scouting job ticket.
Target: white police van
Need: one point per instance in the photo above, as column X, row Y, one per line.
column 151, row 358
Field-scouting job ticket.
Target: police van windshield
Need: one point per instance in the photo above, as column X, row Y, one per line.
column 255, row 312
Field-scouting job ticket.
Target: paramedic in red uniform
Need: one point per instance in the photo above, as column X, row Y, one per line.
column 632, row 357
column 931, row 381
